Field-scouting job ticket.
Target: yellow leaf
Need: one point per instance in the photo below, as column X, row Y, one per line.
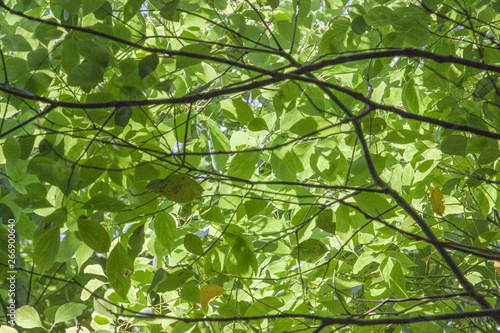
column 210, row 292
column 496, row 265
column 180, row 188
column 437, row 202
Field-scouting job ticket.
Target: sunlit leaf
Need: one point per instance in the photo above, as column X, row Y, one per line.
column 27, row 317
column 210, row 292
column 180, row 188
column 309, row 250
column 94, row 235
column 148, row 65
column 437, row 201
column 119, row 269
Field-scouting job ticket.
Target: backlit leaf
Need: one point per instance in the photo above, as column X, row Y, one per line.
column 27, row 317
column 209, row 293
column 87, row 74
column 148, row 65
column 165, row 229
column 119, row 269
column 46, row 244
column 309, row 250
column 180, row 188
column 437, row 201
column 94, row 235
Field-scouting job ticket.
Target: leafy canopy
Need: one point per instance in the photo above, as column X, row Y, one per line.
column 236, row 166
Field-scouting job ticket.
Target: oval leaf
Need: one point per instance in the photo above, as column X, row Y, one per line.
column 324, row 221
column 27, row 317
column 122, row 115
column 87, row 74
column 180, row 188
column 210, row 292
column 118, row 269
column 437, row 201
column 94, row 235
column 69, row 311
column 104, row 203
column 148, row 65
column 309, row 250
column 165, row 229
column 193, row 244
column 454, row 145
column 46, row 243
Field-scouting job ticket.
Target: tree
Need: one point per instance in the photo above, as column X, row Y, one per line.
column 267, row 166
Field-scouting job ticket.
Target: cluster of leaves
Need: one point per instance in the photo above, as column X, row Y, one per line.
column 275, row 166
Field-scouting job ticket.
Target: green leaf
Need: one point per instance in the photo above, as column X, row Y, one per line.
column 182, row 327
column 191, row 293
column 65, row 176
column 11, row 150
column 87, row 74
column 180, row 188
column 213, row 214
column 68, row 247
column 90, row 6
column 46, row 245
column 32, row 201
column 254, row 206
column 164, row 85
column 220, row 143
column 243, row 165
column 122, row 115
column 70, row 54
column 258, row 124
column 310, row 250
column 95, row 51
column 325, row 221
column 186, row 61
column 308, row 125
column 26, row 145
column 104, row 203
column 169, row 11
column 38, row 59
column 410, row 98
column 69, row 311
column 91, row 170
column 283, row 164
column 132, row 7
column 325, row 162
column 148, row 64
column 16, row 43
column 489, row 155
column 333, row 40
column 247, row 263
column 104, row 11
column 380, row 16
column 165, row 229
column 374, row 204
column 402, row 136
column 359, row 25
column 412, row 32
column 27, row 317
column 174, row 280
column 136, row 242
column 237, row 110
column 454, row 145
column 193, row 244
column 374, row 125
column 94, row 235
column 119, row 268
column 484, row 86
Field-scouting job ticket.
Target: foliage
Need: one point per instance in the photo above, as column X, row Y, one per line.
column 236, row 166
